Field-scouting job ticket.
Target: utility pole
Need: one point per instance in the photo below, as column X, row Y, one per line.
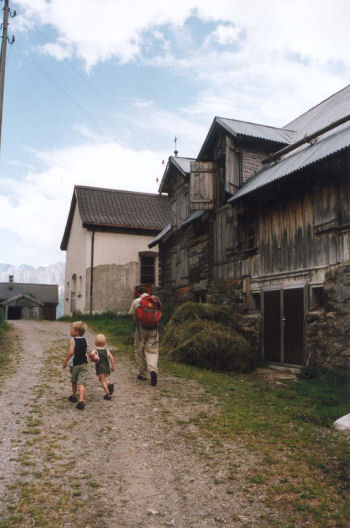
column 5, row 40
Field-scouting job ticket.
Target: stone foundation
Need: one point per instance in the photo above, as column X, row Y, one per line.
column 328, row 329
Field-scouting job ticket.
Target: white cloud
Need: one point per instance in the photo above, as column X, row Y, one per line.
column 282, row 62
column 226, row 34
column 98, row 32
column 143, row 104
column 37, row 217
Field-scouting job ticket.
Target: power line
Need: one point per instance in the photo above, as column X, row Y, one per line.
column 102, row 98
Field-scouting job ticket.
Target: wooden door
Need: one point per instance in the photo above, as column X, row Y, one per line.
column 293, row 301
column 272, row 325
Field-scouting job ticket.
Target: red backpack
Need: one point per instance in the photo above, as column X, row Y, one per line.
column 148, row 311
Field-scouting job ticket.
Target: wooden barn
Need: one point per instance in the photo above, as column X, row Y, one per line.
column 267, row 230
column 28, row 301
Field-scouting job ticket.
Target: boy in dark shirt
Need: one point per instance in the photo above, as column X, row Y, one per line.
column 77, row 358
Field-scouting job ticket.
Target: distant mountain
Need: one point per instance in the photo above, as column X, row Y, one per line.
column 52, row 274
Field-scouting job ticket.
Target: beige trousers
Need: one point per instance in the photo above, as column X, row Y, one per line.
column 146, row 350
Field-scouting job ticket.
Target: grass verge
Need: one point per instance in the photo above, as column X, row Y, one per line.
column 304, row 465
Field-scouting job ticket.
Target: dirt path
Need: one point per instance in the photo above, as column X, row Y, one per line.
column 138, row 460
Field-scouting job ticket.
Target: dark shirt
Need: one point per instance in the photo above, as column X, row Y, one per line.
column 80, row 347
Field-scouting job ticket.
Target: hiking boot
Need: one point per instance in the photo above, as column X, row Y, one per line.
column 154, row 378
column 111, row 388
column 80, row 406
column 107, row 397
column 72, row 398
column 140, row 377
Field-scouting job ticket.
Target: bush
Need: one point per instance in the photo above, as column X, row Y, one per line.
column 204, row 335
column 3, row 325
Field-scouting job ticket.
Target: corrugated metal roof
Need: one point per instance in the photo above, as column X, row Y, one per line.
column 330, row 143
column 183, row 164
column 46, row 293
column 244, row 128
column 326, row 112
column 194, row 216
column 160, row 235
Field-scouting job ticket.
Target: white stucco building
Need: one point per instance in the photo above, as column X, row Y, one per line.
column 106, row 242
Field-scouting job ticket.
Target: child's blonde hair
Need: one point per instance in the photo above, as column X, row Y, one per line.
column 79, row 327
column 100, row 340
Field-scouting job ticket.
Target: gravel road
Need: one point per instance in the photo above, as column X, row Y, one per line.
column 138, row 460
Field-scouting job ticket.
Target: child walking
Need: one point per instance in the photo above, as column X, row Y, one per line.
column 77, row 359
column 104, row 364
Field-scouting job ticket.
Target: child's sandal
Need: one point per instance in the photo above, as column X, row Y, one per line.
column 107, row 396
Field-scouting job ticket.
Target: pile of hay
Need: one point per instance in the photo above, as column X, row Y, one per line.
column 204, row 335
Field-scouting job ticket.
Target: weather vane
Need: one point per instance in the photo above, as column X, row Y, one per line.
column 175, row 151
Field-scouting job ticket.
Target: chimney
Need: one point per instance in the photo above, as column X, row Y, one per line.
column 10, row 282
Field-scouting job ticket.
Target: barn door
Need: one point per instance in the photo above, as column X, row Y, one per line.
column 272, row 325
column 293, row 300
column 283, row 325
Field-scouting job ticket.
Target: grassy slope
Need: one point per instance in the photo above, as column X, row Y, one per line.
column 305, row 465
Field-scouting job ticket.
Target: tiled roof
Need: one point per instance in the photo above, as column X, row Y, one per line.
column 110, row 208
column 46, row 293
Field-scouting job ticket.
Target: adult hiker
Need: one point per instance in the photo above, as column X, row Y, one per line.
column 145, row 310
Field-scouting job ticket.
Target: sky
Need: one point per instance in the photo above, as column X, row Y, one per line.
column 96, row 92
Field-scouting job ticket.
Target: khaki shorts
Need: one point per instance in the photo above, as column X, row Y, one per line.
column 79, row 374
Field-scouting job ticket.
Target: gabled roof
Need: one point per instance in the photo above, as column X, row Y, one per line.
column 183, row 165
column 20, row 296
column 273, row 135
column 331, row 109
column 256, row 130
column 45, row 293
column 118, row 210
column 327, row 144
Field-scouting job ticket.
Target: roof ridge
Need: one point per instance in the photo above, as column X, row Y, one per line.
column 182, row 157
column 91, row 188
column 316, row 105
column 259, row 124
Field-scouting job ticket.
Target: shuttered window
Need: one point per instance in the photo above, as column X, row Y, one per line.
column 233, row 167
column 201, row 185
column 147, row 270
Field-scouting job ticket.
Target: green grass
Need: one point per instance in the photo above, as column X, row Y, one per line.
column 109, row 323
column 304, row 465
column 3, row 328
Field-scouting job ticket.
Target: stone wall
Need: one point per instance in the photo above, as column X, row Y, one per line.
column 328, row 328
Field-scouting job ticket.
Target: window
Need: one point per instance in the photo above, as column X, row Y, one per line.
column 233, row 168
column 247, row 231
column 147, row 269
column 317, row 296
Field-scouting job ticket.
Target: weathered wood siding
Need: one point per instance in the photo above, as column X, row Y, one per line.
column 179, row 198
column 305, row 233
column 201, row 185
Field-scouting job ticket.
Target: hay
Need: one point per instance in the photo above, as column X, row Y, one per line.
column 204, row 335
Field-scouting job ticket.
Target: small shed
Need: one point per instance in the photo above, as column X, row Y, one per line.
column 22, row 306
column 20, row 300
